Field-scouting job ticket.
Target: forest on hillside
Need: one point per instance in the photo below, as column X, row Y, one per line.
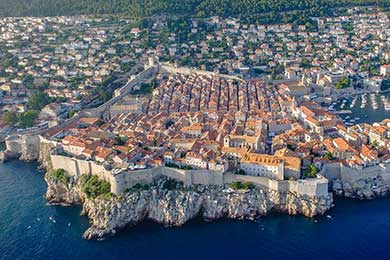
column 244, row 9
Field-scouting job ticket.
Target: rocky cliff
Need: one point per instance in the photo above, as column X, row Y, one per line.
column 24, row 147
column 176, row 207
column 62, row 193
column 364, row 188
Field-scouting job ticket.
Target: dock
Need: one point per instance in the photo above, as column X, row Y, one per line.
column 340, row 112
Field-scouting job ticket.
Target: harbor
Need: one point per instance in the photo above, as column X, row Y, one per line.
column 362, row 108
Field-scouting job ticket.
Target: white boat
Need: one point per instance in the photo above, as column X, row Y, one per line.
column 353, row 102
column 53, row 220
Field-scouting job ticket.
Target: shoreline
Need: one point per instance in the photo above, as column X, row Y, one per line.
column 175, row 207
column 93, row 210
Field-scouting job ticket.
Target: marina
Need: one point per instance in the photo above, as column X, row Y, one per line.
column 364, row 108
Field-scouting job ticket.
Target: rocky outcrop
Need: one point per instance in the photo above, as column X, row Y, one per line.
column 176, row 207
column 62, row 193
column 24, row 147
column 363, row 189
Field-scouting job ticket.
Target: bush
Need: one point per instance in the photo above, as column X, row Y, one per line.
column 93, row 187
column 173, row 165
column 10, row 118
column 328, row 155
column 60, row 175
column 170, row 184
column 240, row 172
column 343, row 83
column 248, row 185
column 311, row 171
column 237, row 185
column 119, row 140
column 140, row 186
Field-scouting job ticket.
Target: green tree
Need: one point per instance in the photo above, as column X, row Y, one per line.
column 343, row 83
column 328, row 155
column 38, row 100
column 26, row 119
column 93, row 187
column 59, row 175
column 311, row 171
column 120, row 140
column 10, row 118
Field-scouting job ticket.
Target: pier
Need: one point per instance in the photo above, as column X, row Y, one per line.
column 340, row 112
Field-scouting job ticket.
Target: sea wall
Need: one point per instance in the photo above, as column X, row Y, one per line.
column 120, row 181
column 311, row 187
column 366, row 183
column 76, row 167
column 123, row 180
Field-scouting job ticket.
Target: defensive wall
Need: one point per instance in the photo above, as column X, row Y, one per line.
column 169, row 69
column 333, row 171
column 122, row 180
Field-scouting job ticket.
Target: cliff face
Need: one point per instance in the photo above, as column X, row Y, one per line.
column 176, row 207
column 363, row 189
column 24, row 147
column 62, row 193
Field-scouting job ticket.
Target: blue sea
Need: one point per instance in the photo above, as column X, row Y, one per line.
column 357, row 230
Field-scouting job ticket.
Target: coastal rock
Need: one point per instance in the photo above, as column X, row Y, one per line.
column 364, row 189
column 178, row 206
column 62, row 193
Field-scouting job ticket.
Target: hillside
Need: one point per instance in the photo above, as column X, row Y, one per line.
column 202, row 8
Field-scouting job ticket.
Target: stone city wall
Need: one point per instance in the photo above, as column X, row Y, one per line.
column 165, row 68
column 352, row 175
column 311, row 187
column 333, row 171
column 125, row 179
